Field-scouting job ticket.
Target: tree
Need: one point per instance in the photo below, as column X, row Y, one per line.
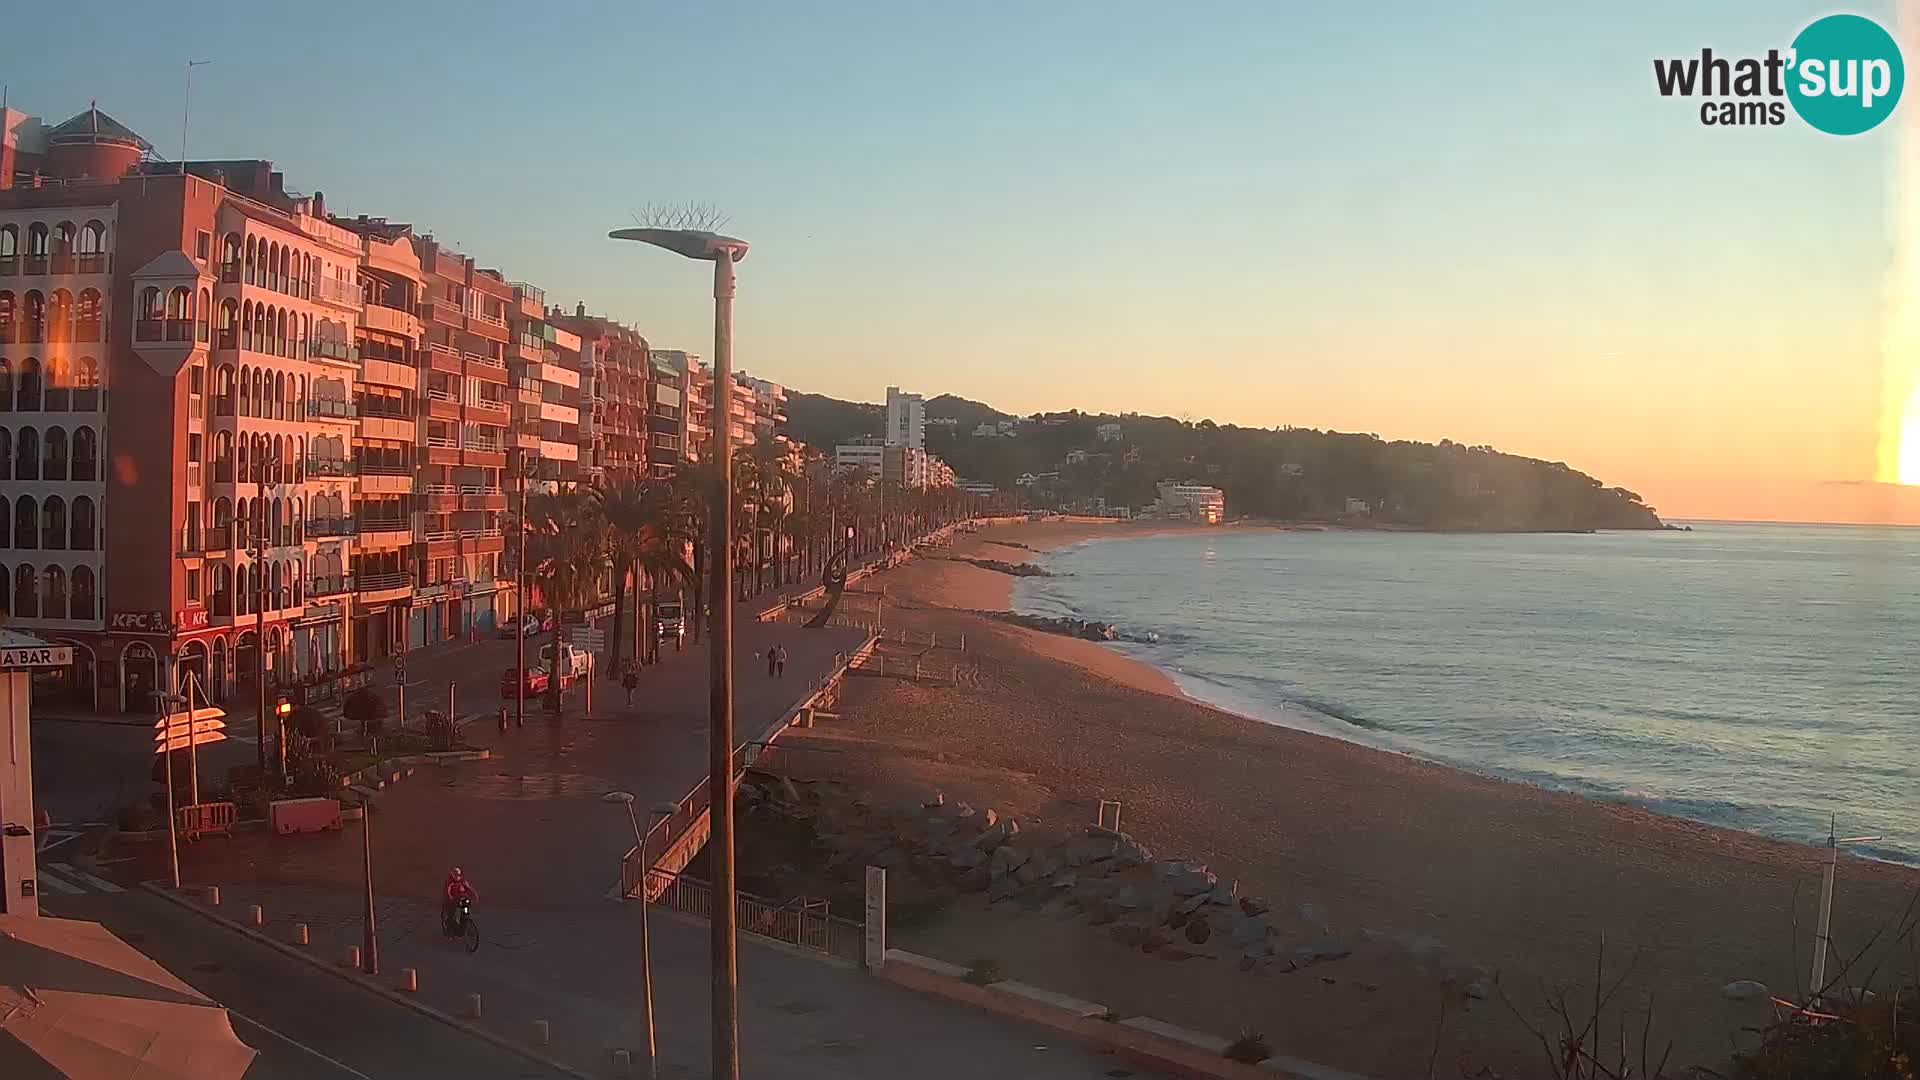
column 566, row 555
column 646, row 535
column 366, row 710
column 692, row 490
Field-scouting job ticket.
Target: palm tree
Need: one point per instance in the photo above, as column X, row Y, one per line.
column 566, row 555
column 646, row 534
column 776, row 475
column 690, row 490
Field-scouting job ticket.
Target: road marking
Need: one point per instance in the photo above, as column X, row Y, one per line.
column 99, row 883
column 298, row 1045
column 57, row 884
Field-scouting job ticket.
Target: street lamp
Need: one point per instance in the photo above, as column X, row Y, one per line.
column 723, row 252
column 260, row 551
column 657, row 815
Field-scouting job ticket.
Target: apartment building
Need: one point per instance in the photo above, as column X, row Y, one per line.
column 546, row 369
column 615, row 367
column 906, row 419
column 666, row 413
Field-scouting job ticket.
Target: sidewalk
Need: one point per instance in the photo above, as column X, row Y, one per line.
column 800, row 1017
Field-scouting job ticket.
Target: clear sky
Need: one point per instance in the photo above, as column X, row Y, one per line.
column 1481, row 223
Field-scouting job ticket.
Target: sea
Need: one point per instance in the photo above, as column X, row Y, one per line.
column 1757, row 676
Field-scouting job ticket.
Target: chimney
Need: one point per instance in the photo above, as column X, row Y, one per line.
column 319, row 201
column 580, row 309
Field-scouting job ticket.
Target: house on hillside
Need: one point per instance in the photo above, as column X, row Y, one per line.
column 985, row 431
column 1076, row 457
column 1108, row 432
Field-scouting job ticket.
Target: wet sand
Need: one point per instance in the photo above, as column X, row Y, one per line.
column 1396, row 856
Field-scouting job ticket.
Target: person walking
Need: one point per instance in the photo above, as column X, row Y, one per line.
column 780, row 661
column 773, row 660
column 628, row 682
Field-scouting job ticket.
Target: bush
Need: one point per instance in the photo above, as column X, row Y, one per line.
column 312, row 724
column 1249, row 1049
column 1878, row 1040
column 364, row 708
column 985, row 970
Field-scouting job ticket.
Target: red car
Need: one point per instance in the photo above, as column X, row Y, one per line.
column 536, row 682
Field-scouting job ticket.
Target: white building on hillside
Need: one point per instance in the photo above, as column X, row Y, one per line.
column 906, row 419
column 1195, row 501
column 1108, row 432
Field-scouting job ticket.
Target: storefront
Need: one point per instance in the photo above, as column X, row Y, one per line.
column 319, row 641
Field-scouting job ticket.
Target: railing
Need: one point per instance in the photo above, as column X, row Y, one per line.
column 477, row 489
column 385, row 525
column 332, row 526
column 480, row 534
column 484, row 360
column 338, row 409
column 340, row 292
column 381, row 468
column 437, row 350
column 217, row 539
column 440, row 536
column 330, row 466
column 803, row 922
column 440, row 489
column 440, row 395
column 329, row 586
column 163, row 330
column 490, row 320
column 379, row 582
column 441, row 442
column 332, row 350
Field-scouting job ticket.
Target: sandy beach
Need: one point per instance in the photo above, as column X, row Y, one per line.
column 1438, row 878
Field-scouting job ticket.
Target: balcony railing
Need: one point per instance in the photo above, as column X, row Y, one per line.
column 490, row 320
column 379, row 525
column 331, row 466
column 379, row 582
column 329, row 586
column 437, row 536
column 217, row 539
column 332, row 526
column 441, row 442
column 163, row 330
column 385, row 468
column 332, row 350
column 333, row 407
column 484, row 360
column 438, row 394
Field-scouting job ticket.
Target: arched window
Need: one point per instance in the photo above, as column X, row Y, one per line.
column 26, row 593
column 246, row 326
column 86, row 385
column 277, row 525
column 59, row 386
column 26, row 454
column 33, row 318
column 223, row 390
column 26, row 398
column 80, row 604
column 229, row 325
column 93, row 239
column 88, row 323
column 242, row 525
column 86, row 454
column 9, row 324
column 223, row 457
column 230, row 258
column 54, row 596
column 53, row 523
column 242, row 596
column 180, row 314
column 282, row 339
column 286, row 276
column 252, row 262
column 6, row 390
column 282, row 598
column 202, row 317
column 26, row 522
column 84, row 529
column 6, row 523
column 220, row 603
column 62, row 240
column 293, row 512
column 9, row 241
column 37, row 240
column 280, row 395
column 54, row 466
column 60, row 316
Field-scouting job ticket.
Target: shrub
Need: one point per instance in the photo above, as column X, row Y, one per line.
column 985, row 970
column 1877, row 1040
column 1249, row 1049
column 138, row 817
column 364, row 707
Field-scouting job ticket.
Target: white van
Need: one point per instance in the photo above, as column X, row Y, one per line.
column 573, row 659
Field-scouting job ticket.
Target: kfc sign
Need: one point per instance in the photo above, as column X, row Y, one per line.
column 193, row 618
column 139, row 622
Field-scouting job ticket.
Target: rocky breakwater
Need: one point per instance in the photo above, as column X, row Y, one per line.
column 1088, row 629
column 939, row 852
column 1024, row 569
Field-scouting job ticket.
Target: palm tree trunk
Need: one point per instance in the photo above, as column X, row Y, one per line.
column 620, row 575
column 553, row 666
column 699, row 613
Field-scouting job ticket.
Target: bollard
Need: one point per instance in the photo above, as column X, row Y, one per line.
column 255, row 916
column 213, row 896
column 622, row 1063
column 410, row 980
column 542, row 1033
column 353, row 957
column 473, row 1006
column 300, row 934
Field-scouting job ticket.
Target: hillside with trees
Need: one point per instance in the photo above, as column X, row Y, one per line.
column 1287, row 474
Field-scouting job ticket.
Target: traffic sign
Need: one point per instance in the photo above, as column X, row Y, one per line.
column 180, row 730
column 586, row 637
column 181, row 743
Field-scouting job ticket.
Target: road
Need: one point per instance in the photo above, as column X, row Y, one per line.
column 307, row 1024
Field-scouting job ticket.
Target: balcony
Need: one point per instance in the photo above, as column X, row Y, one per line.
column 382, row 468
column 443, row 358
column 331, row 407
column 339, row 526
column 163, row 330
column 443, row 442
column 329, row 586
column 333, row 350
column 380, row 582
column 384, row 525
column 336, row 291
column 441, row 310
column 487, row 412
column 317, row 466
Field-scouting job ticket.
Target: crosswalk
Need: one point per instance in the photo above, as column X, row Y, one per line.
column 70, row 880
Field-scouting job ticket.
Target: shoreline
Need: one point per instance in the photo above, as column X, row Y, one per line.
column 1253, row 712
column 1488, row 873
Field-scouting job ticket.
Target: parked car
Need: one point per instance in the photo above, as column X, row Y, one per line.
column 537, row 681
column 670, row 622
column 530, row 626
column 573, row 660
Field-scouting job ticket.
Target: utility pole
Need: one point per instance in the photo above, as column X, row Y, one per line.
column 520, row 606
column 186, row 110
column 726, row 999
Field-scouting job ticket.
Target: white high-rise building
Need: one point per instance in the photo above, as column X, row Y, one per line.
column 906, row 419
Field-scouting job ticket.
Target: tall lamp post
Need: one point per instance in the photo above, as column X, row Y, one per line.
column 259, row 550
column 657, row 815
column 520, row 603
column 723, row 252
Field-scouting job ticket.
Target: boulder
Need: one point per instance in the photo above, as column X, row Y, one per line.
column 1192, row 903
column 1155, row 941
column 1249, row 930
column 1477, row 990
column 1132, row 854
column 1029, row 873
column 996, row 834
column 1099, row 911
column 1130, row 934
column 1223, row 893
column 973, row 880
column 1192, row 883
column 1198, row 931
column 1744, row 990
column 1311, row 912
column 989, row 818
column 1082, row 850
column 1006, row 859
column 1129, row 898
column 1065, row 879
column 967, row 857
column 1168, row 869
column 1253, row 905
column 1002, row 889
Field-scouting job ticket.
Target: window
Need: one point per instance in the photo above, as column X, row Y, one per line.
column 193, row 576
column 193, row 447
column 203, row 245
column 196, row 378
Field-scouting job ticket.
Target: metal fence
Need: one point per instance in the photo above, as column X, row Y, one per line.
column 803, row 922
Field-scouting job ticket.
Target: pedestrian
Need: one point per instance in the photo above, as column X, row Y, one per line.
column 773, row 660
column 503, row 719
column 628, row 682
column 780, row 661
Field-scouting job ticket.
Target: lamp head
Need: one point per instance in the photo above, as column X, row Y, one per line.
column 692, row 243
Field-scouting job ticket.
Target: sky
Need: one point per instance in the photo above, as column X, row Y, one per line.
column 1481, row 224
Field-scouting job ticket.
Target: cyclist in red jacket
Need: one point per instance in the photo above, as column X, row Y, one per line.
column 457, row 888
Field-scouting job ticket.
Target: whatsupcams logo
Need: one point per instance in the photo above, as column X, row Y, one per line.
column 1842, row 75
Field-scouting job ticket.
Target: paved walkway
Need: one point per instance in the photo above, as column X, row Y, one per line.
column 801, row 1017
